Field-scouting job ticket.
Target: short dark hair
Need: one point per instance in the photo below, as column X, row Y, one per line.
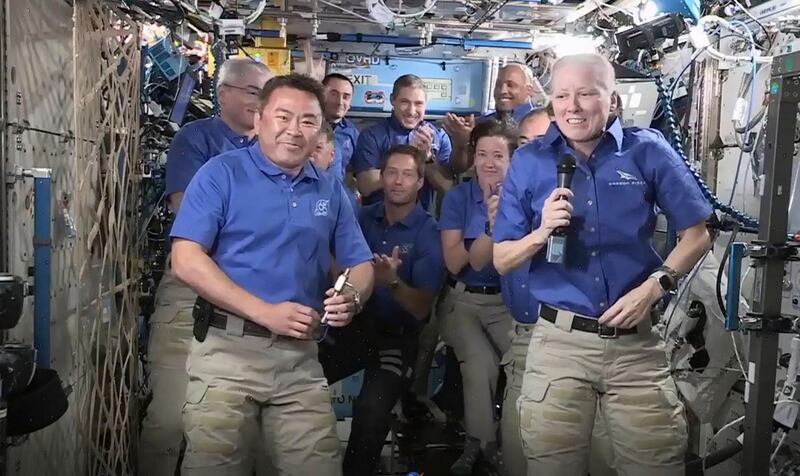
column 327, row 131
column 538, row 111
column 297, row 81
column 405, row 149
column 407, row 81
column 328, row 77
column 494, row 128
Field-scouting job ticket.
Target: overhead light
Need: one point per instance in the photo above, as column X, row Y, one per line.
column 648, row 10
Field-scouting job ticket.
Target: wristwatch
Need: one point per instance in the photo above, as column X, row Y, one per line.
column 667, row 278
column 394, row 284
column 488, row 229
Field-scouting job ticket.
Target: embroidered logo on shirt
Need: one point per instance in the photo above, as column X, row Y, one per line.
column 321, row 209
column 406, row 248
column 626, row 179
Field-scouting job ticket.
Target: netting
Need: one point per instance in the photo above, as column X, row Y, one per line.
column 106, row 88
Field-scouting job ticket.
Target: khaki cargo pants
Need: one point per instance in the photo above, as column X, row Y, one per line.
column 568, row 372
column 168, row 348
column 478, row 328
column 245, row 388
column 602, row 453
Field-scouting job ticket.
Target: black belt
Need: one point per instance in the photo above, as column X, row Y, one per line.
column 219, row 319
column 476, row 289
column 585, row 324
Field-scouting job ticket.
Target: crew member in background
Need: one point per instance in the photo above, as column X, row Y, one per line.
column 405, row 126
column 472, row 317
column 534, row 124
column 409, row 270
column 240, row 82
column 254, row 239
column 593, row 341
column 513, row 89
column 324, row 155
column 338, row 97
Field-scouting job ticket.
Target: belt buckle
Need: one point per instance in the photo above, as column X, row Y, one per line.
column 607, row 332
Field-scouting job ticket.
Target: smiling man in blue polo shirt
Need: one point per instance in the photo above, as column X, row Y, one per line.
column 338, row 98
column 593, row 341
column 240, row 82
column 513, row 89
column 254, row 238
column 407, row 125
column 409, row 271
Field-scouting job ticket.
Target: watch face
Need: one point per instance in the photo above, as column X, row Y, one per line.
column 666, row 282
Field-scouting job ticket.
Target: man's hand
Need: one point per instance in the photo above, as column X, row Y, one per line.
column 556, row 212
column 386, row 267
column 634, row 307
column 423, row 139
column 459, row 128
column 341, row 308
column 290, row 319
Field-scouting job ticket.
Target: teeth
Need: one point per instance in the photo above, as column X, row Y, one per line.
column 575, row 121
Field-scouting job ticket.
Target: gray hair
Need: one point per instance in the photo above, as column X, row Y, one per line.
column 235, row 69
column 599, row 62
column 529, row 79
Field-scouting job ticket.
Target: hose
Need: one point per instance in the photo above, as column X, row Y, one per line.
column 676, row 140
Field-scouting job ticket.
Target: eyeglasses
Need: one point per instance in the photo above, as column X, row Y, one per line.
column 251, row 90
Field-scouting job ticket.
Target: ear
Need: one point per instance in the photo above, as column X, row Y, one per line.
column 615, row 101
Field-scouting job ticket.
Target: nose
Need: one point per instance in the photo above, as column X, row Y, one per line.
column 573, row 104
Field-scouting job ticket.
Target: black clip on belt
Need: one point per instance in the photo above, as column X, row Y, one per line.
column 585, row 324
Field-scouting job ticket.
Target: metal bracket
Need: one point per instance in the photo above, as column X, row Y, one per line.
column 761, row 251
column 758, row 322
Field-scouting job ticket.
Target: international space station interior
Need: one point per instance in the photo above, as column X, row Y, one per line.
column 400, row 237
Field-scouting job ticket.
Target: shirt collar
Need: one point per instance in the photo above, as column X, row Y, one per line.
column 227, row 131
column 519, row 112
column 397, row 126
column 343, row 124
column 614, row 130
column 267, row 166
column 411, row 220
column 475, row 189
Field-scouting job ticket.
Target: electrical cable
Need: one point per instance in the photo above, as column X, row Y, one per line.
column 750, row 15
column 749, row 104
column 676, row 140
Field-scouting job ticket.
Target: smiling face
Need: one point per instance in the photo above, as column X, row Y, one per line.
column 238, row 98
column 338, row 97
column 401, row 179
column 288, row 127
column 512, row 88
column 583, row 101
column 492, row 156
column 409, row 106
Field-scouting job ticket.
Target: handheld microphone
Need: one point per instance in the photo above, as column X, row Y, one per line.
column 557, row 242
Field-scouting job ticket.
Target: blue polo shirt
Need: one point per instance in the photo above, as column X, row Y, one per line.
column 379, row 138
column 193, row 145
column 514, row 286
column 271, row 233
column 346, row 134
column 610, row 240
column 351, row 196
column 463, row 209
column 518, row 113
column 420, row 251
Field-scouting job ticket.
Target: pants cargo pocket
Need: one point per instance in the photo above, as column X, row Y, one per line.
column 531, row 400
column 195, row 393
